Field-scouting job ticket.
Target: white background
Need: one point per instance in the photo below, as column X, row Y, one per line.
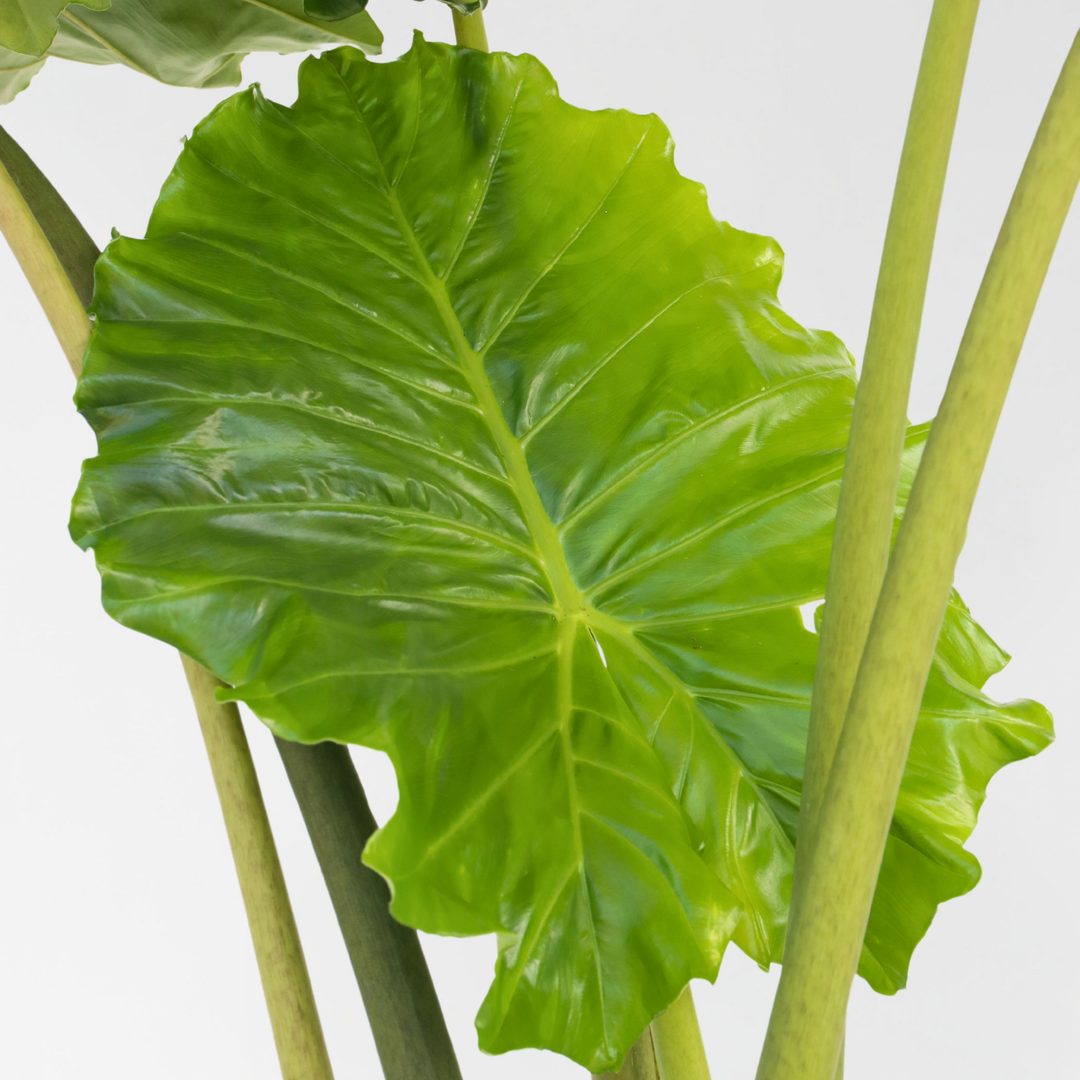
column 123, row 946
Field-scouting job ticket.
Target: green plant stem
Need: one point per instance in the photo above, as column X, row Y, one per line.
column 289, row 999
column 469, row 30
column 640, row 1063
column 806, row 1026
column 53, row 253
column 71, row 243
column 864, row 516
column 402, row 1007
column 680, row 1054
column 44, row 271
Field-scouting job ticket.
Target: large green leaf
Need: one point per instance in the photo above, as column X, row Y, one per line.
column 182, row 42
column 437, row 415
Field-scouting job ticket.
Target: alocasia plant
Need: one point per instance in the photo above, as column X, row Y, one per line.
column 183, row 42
column 479, row 441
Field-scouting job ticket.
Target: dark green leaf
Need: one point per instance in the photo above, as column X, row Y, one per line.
column 437, row 415
column 187, row 42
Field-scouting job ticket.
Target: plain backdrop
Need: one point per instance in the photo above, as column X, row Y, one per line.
column 124, row 952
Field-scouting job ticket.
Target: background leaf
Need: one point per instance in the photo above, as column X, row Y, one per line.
column 16, row 71
column 479, row 441
column 186, row 42
column 28, row 26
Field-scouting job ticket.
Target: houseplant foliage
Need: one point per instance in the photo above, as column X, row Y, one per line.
column 182, row 42
column 478, row 441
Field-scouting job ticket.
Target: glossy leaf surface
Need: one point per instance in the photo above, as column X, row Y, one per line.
column 184, row 42
column 479, row 441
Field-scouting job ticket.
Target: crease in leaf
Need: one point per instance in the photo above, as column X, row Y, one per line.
column 479, row 441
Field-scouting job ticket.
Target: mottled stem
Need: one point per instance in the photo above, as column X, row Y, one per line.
column 640, row 1063
column 402, row 1007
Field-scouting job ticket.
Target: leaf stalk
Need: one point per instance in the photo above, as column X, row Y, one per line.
column 640, row 1063
column 399, row 997
column 469, row 30
column 828, row 924
column 72, row 244
column 864, row 517
column 289, row 999
column 41, row 265
column 680, row 1053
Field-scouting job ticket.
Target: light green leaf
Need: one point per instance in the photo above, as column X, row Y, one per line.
column 437, row 415
column 16, row 71
column 192, row 42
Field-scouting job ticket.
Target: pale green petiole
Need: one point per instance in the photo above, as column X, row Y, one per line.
column 289, row 999
column 469, row 30
column 864, row 518
column 806, row 1028
column 44, row 272
column 680, row 1054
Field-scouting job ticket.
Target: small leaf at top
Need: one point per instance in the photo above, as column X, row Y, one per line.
column 439, row 416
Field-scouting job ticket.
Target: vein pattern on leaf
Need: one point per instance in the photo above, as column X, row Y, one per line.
column 439, row 416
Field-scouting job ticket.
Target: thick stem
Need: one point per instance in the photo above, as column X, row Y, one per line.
column 44, row 271
column 864, row 518
column 640, row 1063
column 289, row 999
column 864, row 515
column 469, row 30
column 806, row 1027
column 402, row 1007
column 71, row 243
column 680, row 1053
